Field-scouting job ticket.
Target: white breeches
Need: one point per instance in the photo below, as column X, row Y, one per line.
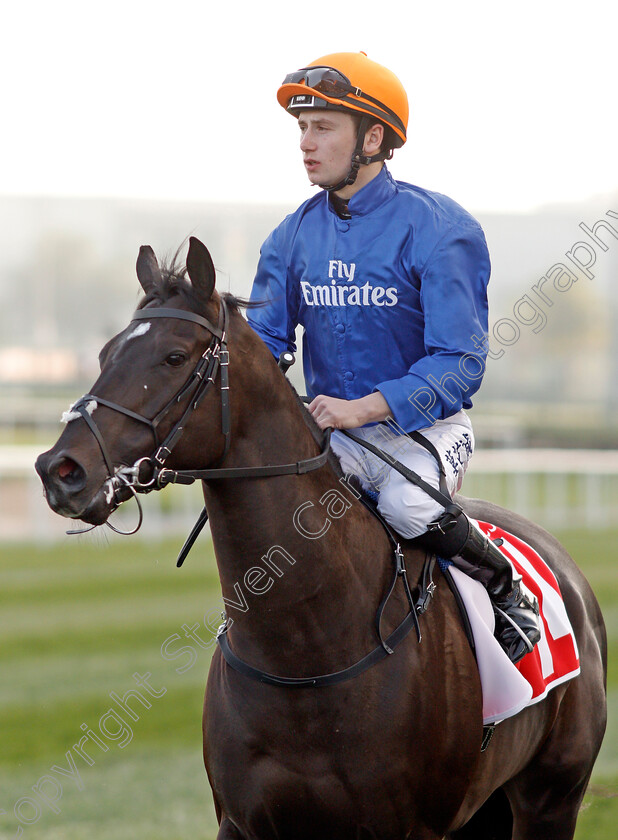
column 402, row 504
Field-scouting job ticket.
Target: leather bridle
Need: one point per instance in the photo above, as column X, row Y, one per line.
column 150, row 473
column 215, row 361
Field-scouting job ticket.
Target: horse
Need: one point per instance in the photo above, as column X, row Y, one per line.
column 391, row 749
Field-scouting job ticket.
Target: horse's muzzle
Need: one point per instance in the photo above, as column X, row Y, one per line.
column 66, row 487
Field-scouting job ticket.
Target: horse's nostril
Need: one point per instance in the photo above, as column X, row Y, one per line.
column 69, row 471
column 66, row 468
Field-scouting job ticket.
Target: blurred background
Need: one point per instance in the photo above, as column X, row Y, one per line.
column 142, row 123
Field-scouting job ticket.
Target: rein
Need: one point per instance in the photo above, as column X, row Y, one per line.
column 214, row 360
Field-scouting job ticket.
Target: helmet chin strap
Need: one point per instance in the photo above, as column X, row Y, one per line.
column 358, row 158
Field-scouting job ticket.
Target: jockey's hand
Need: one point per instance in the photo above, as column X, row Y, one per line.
column 348, row 414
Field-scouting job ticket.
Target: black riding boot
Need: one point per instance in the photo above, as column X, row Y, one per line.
column 516, row 609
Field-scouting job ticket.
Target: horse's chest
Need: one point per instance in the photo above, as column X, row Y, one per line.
column 306, row 796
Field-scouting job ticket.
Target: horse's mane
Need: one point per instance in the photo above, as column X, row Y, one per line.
column 317, row 433
column 175, row 281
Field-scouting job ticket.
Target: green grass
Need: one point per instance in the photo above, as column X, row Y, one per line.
column 78, row 620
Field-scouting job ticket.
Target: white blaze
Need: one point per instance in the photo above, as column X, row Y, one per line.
column 140, row 329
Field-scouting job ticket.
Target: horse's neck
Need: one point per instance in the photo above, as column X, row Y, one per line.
column 296, row 554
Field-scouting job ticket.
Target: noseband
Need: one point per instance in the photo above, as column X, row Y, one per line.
column 149, row 473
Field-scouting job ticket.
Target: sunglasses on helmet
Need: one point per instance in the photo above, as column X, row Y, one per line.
column 325, row 80
column 333, row 83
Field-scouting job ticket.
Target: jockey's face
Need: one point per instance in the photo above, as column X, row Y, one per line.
column 327, row 141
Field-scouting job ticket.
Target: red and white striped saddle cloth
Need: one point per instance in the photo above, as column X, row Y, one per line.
column 508, row 688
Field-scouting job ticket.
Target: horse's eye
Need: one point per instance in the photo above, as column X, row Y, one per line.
column 176, row 359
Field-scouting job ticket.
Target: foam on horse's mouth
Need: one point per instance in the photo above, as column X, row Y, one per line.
column 69, row 415
column 85, row 515
column 108, row 490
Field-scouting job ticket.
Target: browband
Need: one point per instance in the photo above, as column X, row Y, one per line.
column 147, row 314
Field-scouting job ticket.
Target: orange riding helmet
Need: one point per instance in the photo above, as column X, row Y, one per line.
column 349, row 82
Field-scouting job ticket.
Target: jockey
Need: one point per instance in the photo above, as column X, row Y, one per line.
column 389, row 283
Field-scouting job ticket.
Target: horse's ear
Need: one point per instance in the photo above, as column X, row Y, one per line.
column 148, row 272
column 200, row 268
